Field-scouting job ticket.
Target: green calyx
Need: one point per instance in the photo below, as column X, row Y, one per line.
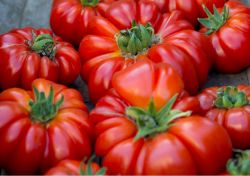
column 240, row 165
column 214, row 21
column 43, row 45
column 151, row 122
column 136, row 40
column 43, row 108
column 89, row 3
column 230, row 97
column 88, row 170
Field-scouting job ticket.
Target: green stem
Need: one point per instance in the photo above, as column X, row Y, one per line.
column 43, row 109
column 230, row 97
column 214, row 21
column 88, row 170
column 240, row 165
column 90, row 3
column 44, row 45
column 151, row 122
column 136, row 40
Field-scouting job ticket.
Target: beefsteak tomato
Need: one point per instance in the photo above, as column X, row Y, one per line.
column 75, row 167
column 138, row 133
column 39, row 128
column 27, row 54
column 191, row 8
column 229, row 106
column 228, row 32
column 114, row 45
column 69, row 18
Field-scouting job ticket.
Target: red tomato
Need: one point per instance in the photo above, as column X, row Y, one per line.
column 192, row 9
column 27, row 54
column 114, row 45
column 75, row 167
column 39, row 128
column 229, row 35
column 229, row 106
column 69, row 18
column 134, row 138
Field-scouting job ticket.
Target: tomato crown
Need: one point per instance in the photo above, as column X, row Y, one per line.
column 151, row 122
column 43, row 45
column 240, row 165
column 136, row 40
column 88, row 170
column 230, row 97
column 89, row 3
column 216, row 21
column 43, row 109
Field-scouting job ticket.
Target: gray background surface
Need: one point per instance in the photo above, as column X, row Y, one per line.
column 21, row 13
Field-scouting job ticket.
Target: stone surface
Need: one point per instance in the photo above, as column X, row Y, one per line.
column 36, row 13
column 11, row 14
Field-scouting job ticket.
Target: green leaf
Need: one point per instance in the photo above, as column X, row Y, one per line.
column 207, row 11
column 135, row 112
column 205, row 22
column 166, row 109
column 151, row 107
column 146, row 38
column 131, row 45
column 134, row 24
column 102, row 171
column 216, row 12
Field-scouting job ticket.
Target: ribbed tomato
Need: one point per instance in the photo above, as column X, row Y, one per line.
column 69, row 18
column 191, row 8
column 39, row 128
column 229, row 106
column 134, row 31
column 27, row 54
column 228, row 32
column 139, row 129
column 76, row 167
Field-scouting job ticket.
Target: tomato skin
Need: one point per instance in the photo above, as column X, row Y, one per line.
column 102, row 57
column 74, row 17
column 236, row 120
column 19, row 65
column 170, row 152
column 70, row 167
column 28, row 147
column 192, row 9
column 231, row 41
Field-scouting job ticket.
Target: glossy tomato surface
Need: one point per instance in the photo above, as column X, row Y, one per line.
column 232, row 40
column 191, row 8
column 179, row 45
column 69, row 18
column 235, row 120
column 20, row 65
column 29, row 146
column 191, row 145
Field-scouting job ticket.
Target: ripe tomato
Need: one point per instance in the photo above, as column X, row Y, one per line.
column 27, row 54
column 69, row 18
column 228, row 32
column 39, row 128
column 134, row 138
column 192, row 9
column 229, row 106
column 75, row 167
column 114, row 45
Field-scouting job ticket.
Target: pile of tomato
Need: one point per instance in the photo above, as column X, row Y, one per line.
column 145, row 63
